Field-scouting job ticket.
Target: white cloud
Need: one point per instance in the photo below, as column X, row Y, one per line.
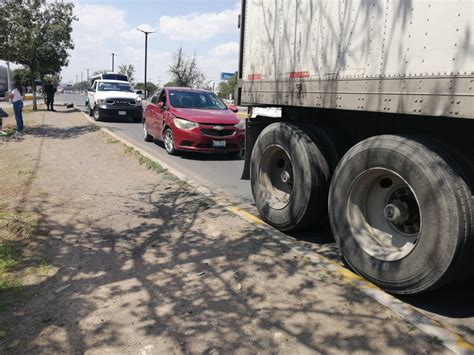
column 103, row 29
column 230, row 49
column 97, row 23
column 199, row 26
column 213, row 66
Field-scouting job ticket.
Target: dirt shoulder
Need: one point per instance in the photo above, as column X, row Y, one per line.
column 123, row 259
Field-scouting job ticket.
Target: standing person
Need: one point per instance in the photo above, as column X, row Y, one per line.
column 49, row 90
column 16, row 97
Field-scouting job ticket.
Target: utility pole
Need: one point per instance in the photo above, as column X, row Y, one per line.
column 76, row 78
column 146, row 53
column 87, row 75
column 113, row 57
column 82, row 77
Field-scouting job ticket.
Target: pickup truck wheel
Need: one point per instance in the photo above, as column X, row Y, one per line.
column 96, row 114
column 289, row 177
column 147, row 137
column 401, row 214
column 91, row 112
column 168, row 141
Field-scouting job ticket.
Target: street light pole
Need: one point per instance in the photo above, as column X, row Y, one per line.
column 146, row 54
column 87, row 75
column 113, row 56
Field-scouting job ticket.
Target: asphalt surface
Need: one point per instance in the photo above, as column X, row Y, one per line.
column 453, row 305
column 213, row 171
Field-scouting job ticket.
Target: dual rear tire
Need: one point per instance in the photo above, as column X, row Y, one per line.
column 399, row 208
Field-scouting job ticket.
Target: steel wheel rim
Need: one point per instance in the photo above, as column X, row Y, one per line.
column 96, row 114
column 384, row 214
column 169, row 144
column 145, row 129
column 276, row 177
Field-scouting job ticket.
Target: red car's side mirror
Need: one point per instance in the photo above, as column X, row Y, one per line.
column 233, row 108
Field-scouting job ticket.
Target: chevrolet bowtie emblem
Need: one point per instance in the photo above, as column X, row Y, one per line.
column 218, row 128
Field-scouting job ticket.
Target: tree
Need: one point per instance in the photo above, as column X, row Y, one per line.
column 55, row 79
column 23, row 75
column 170, row 84
column 129, row 71
column 150, row 87
column 38, row 36
column 227, row 87
column 184, row 70
column 81, row 86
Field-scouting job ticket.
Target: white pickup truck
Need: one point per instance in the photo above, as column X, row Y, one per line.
column 114, row 99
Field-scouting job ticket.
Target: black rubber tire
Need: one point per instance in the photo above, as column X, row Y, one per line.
column 444, row 246
column 147, row 137
column 172, row 151
column 91, row 112
column 96, row 115
column 308, row 201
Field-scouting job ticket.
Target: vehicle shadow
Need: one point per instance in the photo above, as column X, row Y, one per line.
column 453, row 301
column 220, row 156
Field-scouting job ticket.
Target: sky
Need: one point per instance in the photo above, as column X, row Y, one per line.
column 207, row 28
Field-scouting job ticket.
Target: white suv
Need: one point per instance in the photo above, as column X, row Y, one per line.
column 114, row 99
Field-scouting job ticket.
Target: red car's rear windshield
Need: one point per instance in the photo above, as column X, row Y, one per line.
column 196, row 99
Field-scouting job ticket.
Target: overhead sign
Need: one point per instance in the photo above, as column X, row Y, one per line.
column 227, row 76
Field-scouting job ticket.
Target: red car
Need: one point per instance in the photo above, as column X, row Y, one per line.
column 193, row 120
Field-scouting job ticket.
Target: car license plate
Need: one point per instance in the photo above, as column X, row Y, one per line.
column 122, row 113
column 218, row 144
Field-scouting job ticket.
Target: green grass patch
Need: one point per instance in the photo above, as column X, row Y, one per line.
column 112, row 141
column 20, row 224
column 150, row 164
column 9, row 257
column 143, row 160
column 94, row 128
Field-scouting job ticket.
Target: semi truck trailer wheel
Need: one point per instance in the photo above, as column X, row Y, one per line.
column 402, row 214
column 289, row 177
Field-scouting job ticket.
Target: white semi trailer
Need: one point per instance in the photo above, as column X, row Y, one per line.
column 376, row 135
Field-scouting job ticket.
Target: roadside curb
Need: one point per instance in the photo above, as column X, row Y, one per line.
column 429, row 326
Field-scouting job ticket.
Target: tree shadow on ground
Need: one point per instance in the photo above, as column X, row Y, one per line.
column 172, row 276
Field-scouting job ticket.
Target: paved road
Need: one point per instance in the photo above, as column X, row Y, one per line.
column 213, row 171
column 453, row 305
